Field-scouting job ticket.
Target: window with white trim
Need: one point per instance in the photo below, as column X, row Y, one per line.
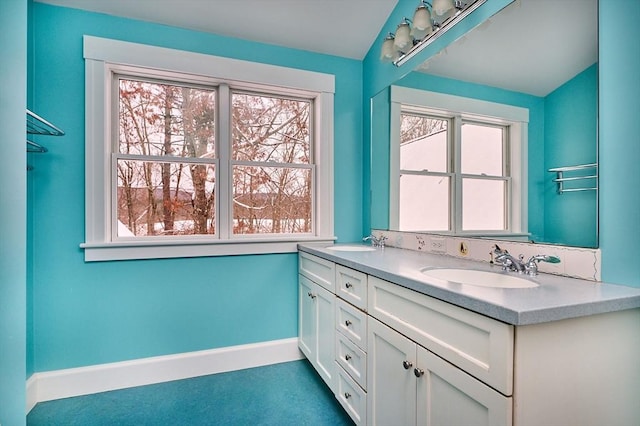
column 456, row 165
column 204, row 156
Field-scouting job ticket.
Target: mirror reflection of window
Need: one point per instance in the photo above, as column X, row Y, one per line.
column 445, row 162
column 425, row 170
column 485, row 182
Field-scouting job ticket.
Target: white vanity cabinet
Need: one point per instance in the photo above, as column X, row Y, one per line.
column 316, row 315
column 395, row 356
column 409, row 385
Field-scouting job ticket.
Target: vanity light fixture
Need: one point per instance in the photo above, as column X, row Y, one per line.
column 429, row 22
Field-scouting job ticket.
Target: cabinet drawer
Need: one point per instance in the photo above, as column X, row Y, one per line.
column 481, row 346
column 352, row 359
column 351, row 285
column 318, row 270
column 352, row 323
column 352, row 398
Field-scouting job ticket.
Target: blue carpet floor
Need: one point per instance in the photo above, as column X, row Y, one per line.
column 290, row 393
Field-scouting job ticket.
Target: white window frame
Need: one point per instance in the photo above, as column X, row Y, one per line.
column 103, row 57
column 461, row 108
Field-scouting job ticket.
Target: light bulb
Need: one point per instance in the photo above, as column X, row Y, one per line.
column 441, row 7
column 403, row 38
column 388, row 51
column 422, row 18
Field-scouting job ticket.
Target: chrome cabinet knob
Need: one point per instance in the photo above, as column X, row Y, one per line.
column 347, row 357
column 311, row 295
column 348, row 285
column 407, row 364
column 347, row 395
column 419, row 372
column 347, row 323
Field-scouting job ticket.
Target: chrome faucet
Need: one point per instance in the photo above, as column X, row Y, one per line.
column 507, row 261
column 375, row 241
column 530, row 267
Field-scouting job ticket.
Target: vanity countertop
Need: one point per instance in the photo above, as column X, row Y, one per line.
column 555, row 298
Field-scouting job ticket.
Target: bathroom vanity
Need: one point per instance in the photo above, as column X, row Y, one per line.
column 399, row 347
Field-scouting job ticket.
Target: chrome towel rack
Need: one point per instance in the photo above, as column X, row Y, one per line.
column 561, row 177
column 37, row 125
column 35, row 147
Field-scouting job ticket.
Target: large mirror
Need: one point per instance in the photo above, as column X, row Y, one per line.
column 537, row 55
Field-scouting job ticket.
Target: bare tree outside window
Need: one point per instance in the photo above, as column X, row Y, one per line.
column 165, row 162
column 272, row 172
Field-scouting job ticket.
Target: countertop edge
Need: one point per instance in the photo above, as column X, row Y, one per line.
column 501, row 313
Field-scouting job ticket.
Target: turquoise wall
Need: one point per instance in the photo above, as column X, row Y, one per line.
column 619, row 136
column 13, row 199
column 380, row 151
column 92, row 313
column 570, row 132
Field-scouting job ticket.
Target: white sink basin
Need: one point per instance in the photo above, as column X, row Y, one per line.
column 350, row 248
column 479, row 278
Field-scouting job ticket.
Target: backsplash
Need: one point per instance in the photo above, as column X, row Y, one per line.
column 575, row 262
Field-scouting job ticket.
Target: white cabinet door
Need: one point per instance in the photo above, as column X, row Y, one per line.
column 307, row 339
column 316, row 328
column 391, row 384
column 447, row 396
column 325, row 304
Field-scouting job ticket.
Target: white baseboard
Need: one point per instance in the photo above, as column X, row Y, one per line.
column 70, row 382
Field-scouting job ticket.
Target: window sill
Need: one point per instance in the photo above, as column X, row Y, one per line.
column 99, row 252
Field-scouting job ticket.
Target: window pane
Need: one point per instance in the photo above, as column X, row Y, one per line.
column 483, row 205
column 424, row 203
column 271, row 200
column 164, row 119
column 423, row 143
column 482, row 150
column 270, row 129
column 165, row 198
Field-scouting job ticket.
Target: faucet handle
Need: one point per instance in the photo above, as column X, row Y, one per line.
column 532, row 264
column 544, row 258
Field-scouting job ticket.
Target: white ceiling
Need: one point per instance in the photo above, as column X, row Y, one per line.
column 345, row 28
column 532, row 46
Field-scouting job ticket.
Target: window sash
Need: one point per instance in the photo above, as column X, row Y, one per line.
column 224, row 217
column 506, row 204
column 116, row 157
